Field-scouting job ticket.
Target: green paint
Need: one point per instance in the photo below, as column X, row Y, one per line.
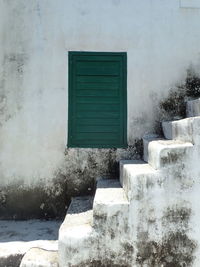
column 97, row 100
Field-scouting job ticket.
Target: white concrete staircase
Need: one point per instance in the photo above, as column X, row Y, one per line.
column 151, row 216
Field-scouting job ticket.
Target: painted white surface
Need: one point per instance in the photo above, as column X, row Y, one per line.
column 161, row 41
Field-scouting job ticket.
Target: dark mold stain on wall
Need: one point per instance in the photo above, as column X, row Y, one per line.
column 77, row 177
column 175, row 249
column 97, row 163
column 21, row 203
column 178, row 215
column 99, row 263
column 173, row 107
column 11, row 92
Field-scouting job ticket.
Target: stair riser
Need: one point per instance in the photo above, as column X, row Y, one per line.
column 112, row 225
column 165, row 156
column 181, row 131
column 103, row 215
column 168, row 157
column 146, row 140
column 123, row 164
column 74, row 251
column 133, row 183
column 109, row 202
column 186, row 130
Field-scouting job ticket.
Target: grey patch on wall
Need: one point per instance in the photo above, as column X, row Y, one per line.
column 178, row 216
column 172, row 158
column 11, row 85
column 175, row 250
column 18, row 60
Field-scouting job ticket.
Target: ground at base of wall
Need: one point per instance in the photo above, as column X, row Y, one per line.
column 17, row 237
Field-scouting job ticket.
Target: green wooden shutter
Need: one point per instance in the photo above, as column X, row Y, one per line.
column 97, row 100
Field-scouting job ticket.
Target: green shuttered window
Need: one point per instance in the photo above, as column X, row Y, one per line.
column 97, row 100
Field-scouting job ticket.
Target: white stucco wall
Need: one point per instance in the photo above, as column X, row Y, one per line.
column 161, row 38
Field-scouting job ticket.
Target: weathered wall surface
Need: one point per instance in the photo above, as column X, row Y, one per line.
column 151, row 220
column 161, row 40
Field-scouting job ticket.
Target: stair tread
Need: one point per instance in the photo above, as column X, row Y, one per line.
column 138, row 166
column 79, row 212
column 163, row 152
column 152, row 137
column 185, row 121
column 170, row 143
column 178, row 129
column 109, row 191
column 179, row 121
column 133, row 174
column 80, row 204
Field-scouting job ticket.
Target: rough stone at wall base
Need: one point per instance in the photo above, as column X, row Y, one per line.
column 11, row 253
column 38, row 257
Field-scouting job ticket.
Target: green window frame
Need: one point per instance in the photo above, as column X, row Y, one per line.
column 97, row 101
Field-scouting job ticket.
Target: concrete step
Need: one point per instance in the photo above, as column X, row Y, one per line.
column 38, row 257
column 109, row 200
column 193, row 108
column 76, row 235
column 178, row 130
column 184, row 130
column 146, row 139
column 165, row 153
column 134, row 173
